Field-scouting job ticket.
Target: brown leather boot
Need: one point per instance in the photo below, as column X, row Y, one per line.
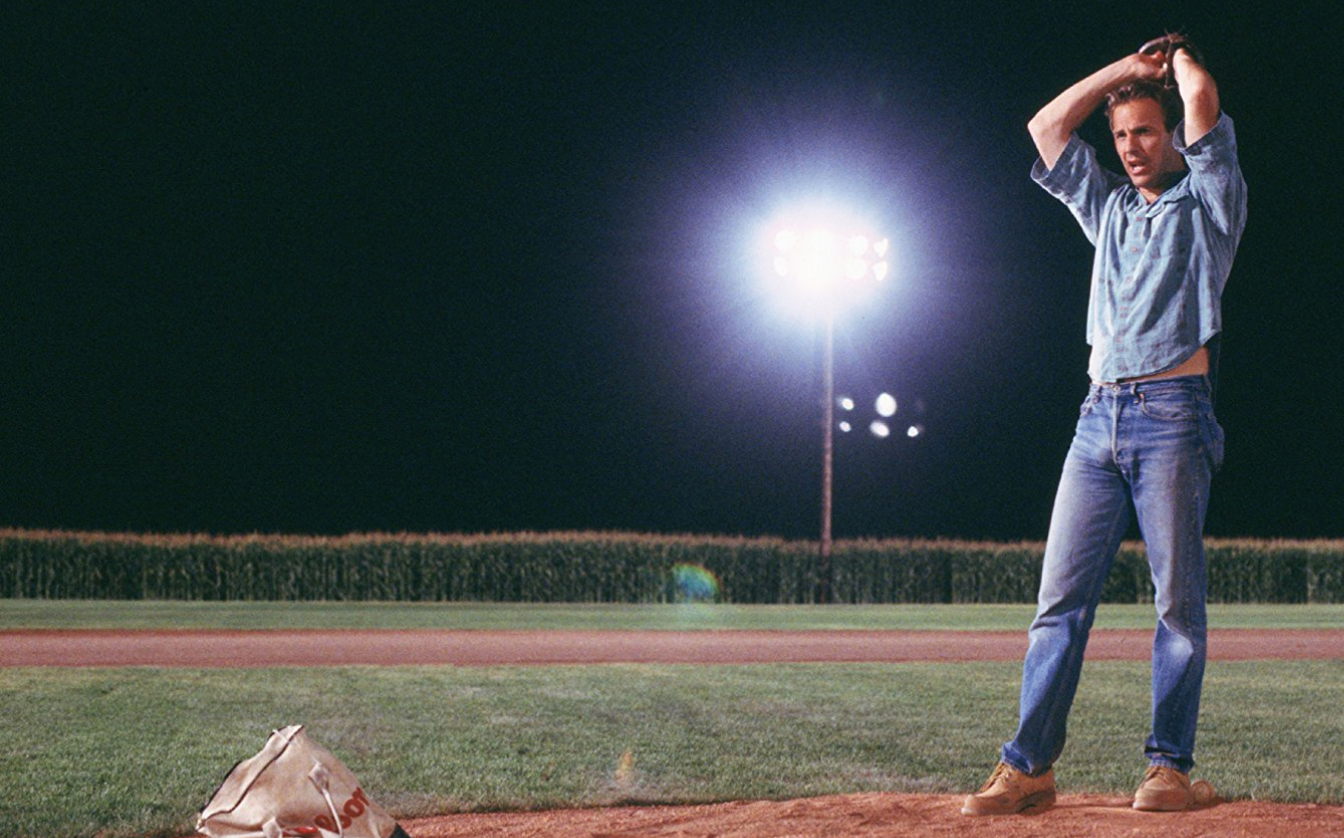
column 1010, row 791
column 1164, row 789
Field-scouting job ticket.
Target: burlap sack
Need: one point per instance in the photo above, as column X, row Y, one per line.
column 293, row 787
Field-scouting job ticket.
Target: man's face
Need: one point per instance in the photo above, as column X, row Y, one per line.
column 1144, row 145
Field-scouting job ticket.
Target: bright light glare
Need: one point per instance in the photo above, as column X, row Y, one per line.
column 881, row 248
column 824, row 260
column 880, row 429
column 846, row 403
column 845, row 427
column 814, row 260
column 886, row 405
column 914, row 431
column 819, row 240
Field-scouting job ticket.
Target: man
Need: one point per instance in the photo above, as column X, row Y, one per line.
column 1165, row 237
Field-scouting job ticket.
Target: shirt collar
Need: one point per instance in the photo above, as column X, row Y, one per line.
column 1175, row 192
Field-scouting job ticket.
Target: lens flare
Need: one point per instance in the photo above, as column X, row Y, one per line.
column 693, row 583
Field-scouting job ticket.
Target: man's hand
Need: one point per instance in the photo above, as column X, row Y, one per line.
column 1166, row 49
column 1148, row 66
column 1184, row 70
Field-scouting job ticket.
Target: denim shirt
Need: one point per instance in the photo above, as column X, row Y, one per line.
column 1160, row 268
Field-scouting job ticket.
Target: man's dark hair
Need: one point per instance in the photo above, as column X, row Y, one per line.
column 1167, row 97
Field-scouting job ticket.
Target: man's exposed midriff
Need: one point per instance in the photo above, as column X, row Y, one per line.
column 1197, row 364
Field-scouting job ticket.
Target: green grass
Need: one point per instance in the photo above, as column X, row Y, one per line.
column 113, row 614
column 138, row 751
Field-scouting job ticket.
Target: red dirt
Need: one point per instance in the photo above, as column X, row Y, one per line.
column 235, row 649
column 892, row 815
column 875, row 815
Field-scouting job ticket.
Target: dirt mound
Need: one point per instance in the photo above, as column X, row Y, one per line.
column 878, row 815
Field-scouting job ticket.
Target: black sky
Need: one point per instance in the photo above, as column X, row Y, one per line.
column 476, row 266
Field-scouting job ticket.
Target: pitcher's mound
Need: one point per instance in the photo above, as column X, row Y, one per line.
column 903, row 815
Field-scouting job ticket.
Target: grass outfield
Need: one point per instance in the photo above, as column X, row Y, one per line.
column 30, row 613
column 136, row 752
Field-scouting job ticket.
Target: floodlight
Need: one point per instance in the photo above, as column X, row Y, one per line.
column 886, row 405
column 824, row 260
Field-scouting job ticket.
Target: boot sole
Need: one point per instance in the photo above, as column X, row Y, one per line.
column 1032, row 804
column 1162, row 805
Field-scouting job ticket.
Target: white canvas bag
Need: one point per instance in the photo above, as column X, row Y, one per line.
column 292, row 788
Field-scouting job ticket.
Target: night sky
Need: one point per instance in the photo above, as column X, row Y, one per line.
column 467, row 267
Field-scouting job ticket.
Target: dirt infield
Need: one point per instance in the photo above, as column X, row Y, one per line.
column 892, row 815
column 868, row 815
column 237, row 649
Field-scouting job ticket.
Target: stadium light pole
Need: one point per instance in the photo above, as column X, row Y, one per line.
column 828, row 271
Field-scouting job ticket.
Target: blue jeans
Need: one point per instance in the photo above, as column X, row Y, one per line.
column 1154, row 445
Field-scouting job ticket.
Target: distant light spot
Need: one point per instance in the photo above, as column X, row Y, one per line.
column 693, row 583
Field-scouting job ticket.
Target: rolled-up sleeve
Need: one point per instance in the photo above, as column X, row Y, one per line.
column 1215, row 174
column 1080, row 182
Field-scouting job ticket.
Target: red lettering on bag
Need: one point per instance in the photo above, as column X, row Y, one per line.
column 357, row 805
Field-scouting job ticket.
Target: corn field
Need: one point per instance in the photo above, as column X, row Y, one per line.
column 609, row 567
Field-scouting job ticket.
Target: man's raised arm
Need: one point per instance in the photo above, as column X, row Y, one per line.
column 1199, row 95
column 1051, row 127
